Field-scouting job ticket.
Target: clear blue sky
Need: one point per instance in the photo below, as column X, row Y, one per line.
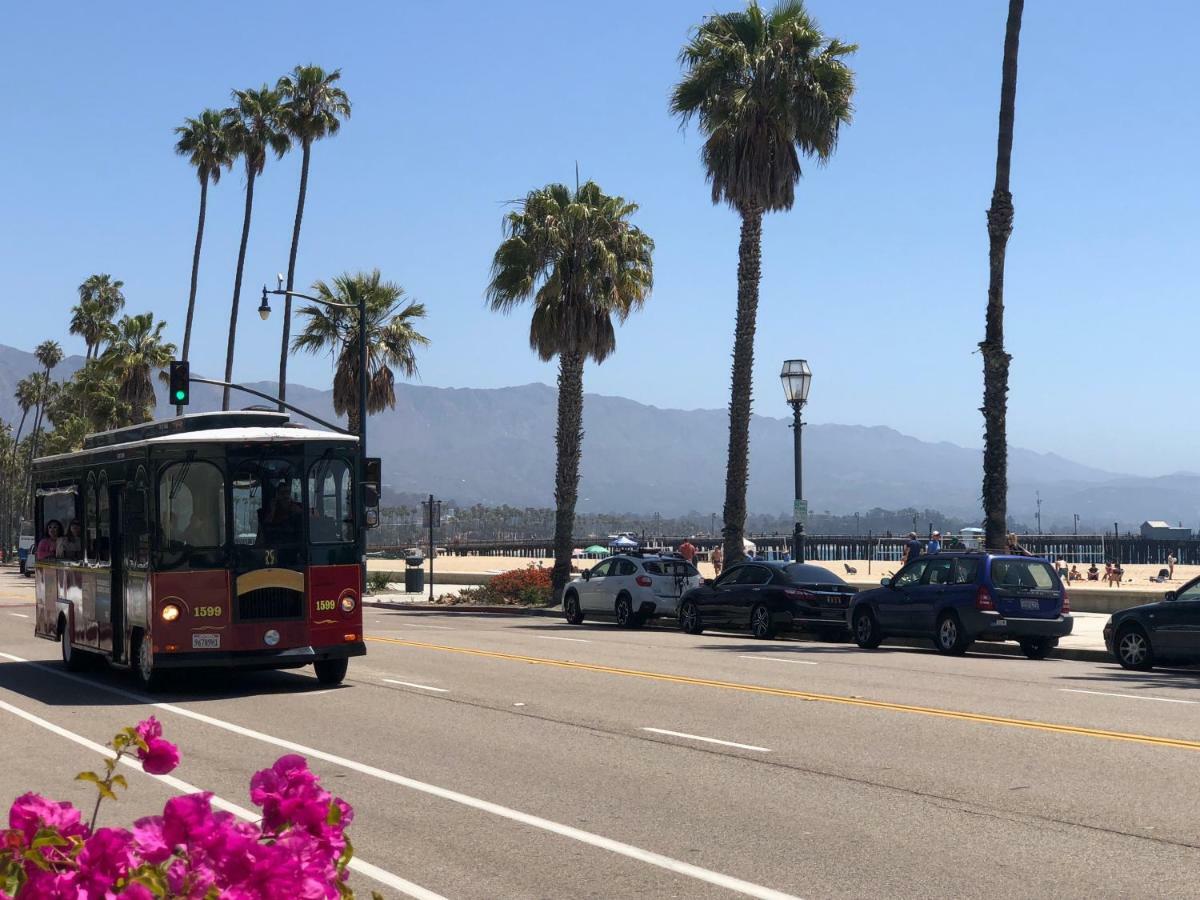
column 877, row 276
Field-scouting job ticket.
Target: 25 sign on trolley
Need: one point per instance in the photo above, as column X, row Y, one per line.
column 215, row 539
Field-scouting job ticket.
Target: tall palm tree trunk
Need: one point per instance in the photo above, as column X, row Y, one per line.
column 995, row 358
column 187, row 329
column 569, row 440
column 191, row 310
column 737, row 467
column 291, row 275
column 34, row 444
column 237, row 286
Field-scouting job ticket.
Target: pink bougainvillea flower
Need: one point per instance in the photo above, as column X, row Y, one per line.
column 148, row 840
column 30, row 813
column 136, row 892
column 105, row 858
column 159, row 757
column 51, row 884
column 148, row 729
column 187, row 820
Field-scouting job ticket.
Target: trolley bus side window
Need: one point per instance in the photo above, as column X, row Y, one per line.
column 191, row 510
column 330, row 502
column 57, row 504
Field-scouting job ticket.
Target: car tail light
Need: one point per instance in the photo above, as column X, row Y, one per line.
column 644, row 581
column 983, row 599
column 1066, row 608
column 796, row 594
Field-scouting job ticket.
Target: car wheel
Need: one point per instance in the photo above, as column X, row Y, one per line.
column 1037, row 648
column 760, row 623
column 571, row 610
column 624, row 611
column 866, row 629
column 950, row 638
column 1133, row 649
column 689, row 618
column 149, row 678
column 73, row 660
column 331, row 671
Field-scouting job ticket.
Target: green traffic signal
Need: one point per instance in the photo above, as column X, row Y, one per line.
column 181, row 395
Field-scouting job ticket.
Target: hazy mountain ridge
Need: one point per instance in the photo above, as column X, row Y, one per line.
column 497, row 446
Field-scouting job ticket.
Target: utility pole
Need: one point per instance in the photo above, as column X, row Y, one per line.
column 1077, row 523
column 1039, row 510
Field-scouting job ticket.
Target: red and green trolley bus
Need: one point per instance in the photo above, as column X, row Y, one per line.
column 209, row 540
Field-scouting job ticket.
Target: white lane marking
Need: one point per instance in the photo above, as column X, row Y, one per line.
column 546, row 637
column 798, row 662
column 679, row 867
column 19, row 615
column 318, row 693
column 421, row 625
column 424, row 687
column 374, row 872
column 1126, row 696
column 708, row 740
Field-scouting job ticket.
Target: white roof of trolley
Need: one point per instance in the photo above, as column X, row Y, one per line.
column 239, row 427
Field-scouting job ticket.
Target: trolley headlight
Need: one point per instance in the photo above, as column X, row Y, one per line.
column 170, row 612
column 271, row 638
column 347, row 603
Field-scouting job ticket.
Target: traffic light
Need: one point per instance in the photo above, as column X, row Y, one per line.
column 180, row 383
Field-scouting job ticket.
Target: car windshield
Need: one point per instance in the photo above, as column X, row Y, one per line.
column 673, row 568
column 1022, row 573
column 802, row 573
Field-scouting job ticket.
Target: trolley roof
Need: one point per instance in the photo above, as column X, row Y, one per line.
column 241, row 426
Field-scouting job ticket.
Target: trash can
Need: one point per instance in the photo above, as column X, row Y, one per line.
column 414, row 575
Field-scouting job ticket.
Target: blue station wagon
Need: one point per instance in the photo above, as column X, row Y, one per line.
column 959, row 598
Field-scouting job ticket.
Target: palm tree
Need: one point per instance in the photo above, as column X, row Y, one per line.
column 26, row 395
column 49, row 354
column 100, row 298
column 313, row 108
column 765, row 88
column 392, row 339
column 579, row 261
column 204, row 142
column 137, row 349
column 995, row 358
column 253, row 128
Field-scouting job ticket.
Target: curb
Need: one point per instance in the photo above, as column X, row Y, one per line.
column 466, row 609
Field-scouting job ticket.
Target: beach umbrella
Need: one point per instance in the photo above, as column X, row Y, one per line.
column 748, row 545
column 623, row 542
column 596, row 548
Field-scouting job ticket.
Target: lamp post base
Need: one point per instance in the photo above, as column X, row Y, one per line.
column 798, row 543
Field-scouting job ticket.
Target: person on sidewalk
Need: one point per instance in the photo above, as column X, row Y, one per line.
column 912, row 549
column 935, row 543
column 687, row 550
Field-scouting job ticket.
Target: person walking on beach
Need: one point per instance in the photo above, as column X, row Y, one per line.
column 717, row 558
column 912, row 549
column 1171, row 566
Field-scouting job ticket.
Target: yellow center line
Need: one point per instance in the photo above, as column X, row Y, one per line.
column 980, row 718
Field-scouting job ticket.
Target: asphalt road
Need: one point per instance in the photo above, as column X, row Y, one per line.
column 495, row 757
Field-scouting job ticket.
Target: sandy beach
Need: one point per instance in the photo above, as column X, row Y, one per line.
column 1137, row 577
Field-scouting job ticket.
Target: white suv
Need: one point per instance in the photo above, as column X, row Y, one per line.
column 630, row 588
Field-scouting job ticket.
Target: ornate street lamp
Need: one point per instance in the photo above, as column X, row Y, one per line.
column 797, row 377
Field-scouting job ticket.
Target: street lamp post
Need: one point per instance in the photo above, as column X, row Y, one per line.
column 360, row 490
column 797, row 377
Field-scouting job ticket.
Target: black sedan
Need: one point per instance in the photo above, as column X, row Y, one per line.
column 769, row 597
column 1144, row 635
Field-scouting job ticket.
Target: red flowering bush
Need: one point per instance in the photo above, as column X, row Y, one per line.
column 529, row 585
column 298, row 850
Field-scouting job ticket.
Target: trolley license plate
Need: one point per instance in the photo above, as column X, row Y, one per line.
column 206, row 642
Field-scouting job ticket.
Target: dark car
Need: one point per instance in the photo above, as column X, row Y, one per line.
column 1144, row 635
column 959, row 598
column 769, row 597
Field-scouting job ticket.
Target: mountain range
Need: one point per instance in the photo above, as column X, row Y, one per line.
column 496, row 446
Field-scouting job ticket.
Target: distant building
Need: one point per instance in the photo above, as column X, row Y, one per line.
column 1161, row 531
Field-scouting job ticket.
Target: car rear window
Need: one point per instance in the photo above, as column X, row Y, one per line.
column 801, row 573
column 672, row 568
column 1022, row 573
